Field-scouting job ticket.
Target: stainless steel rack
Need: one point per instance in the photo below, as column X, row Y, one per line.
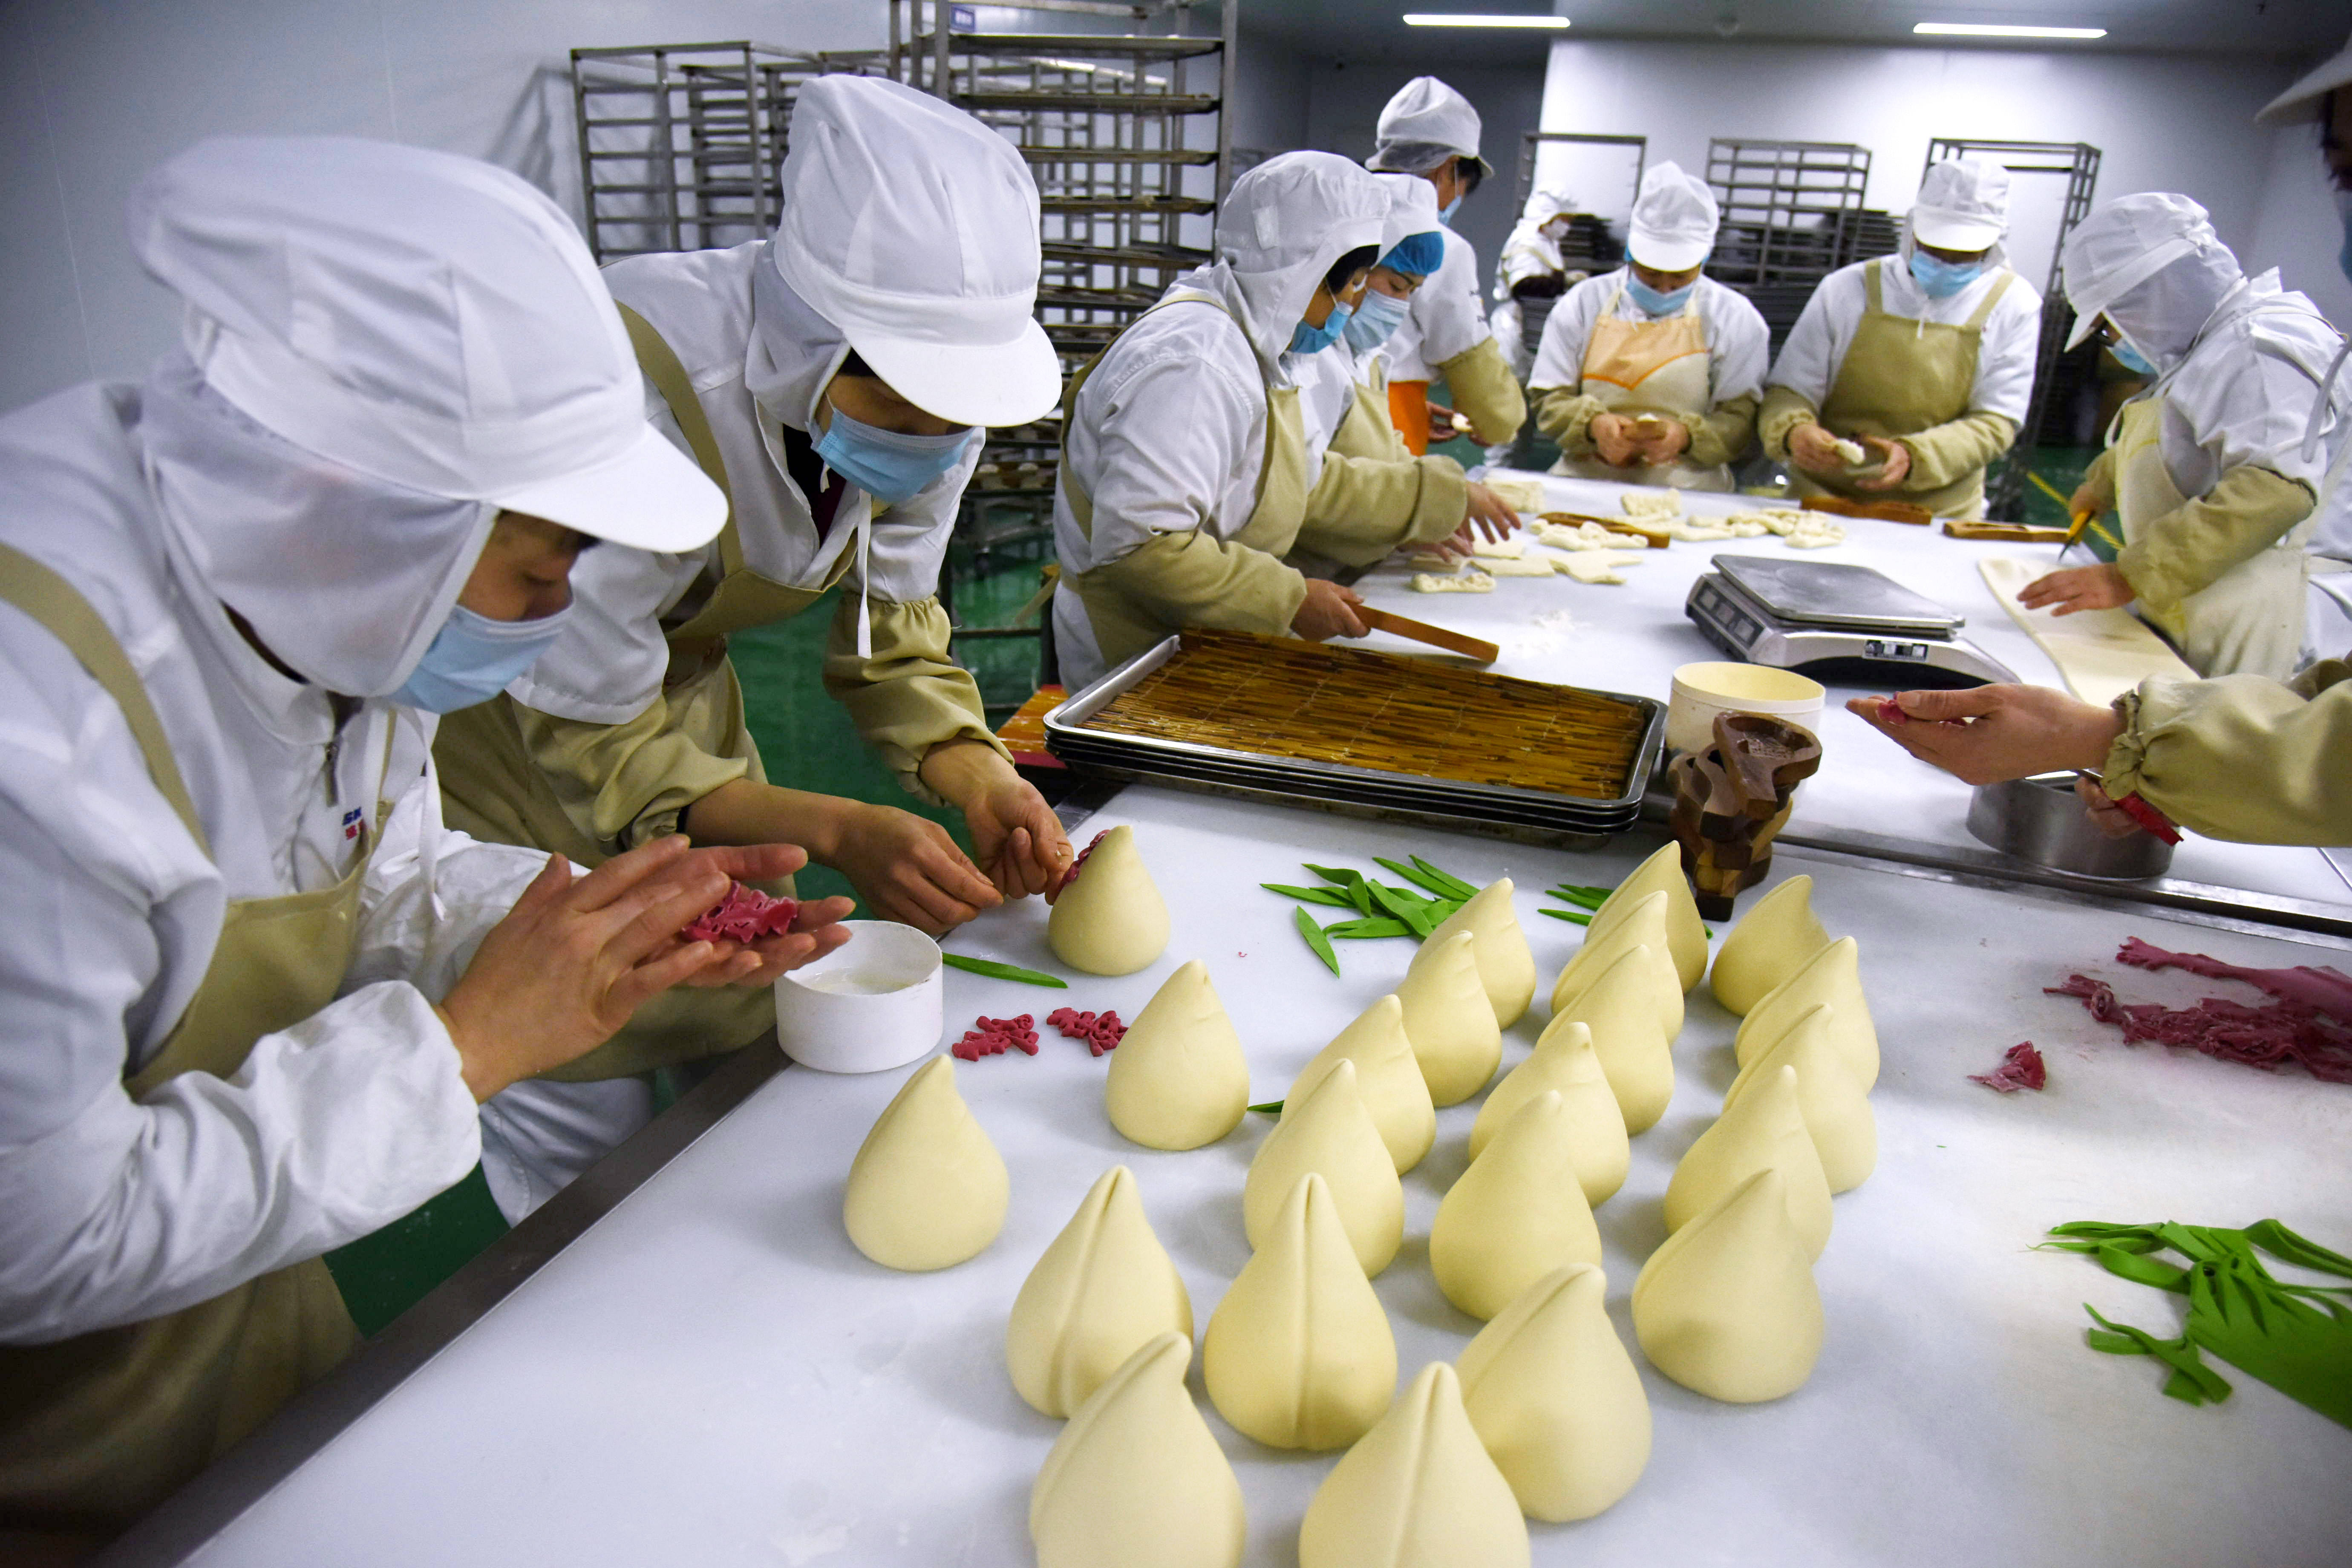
column 1792, row 215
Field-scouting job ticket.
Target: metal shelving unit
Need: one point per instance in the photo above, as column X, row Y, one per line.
column 1792, row 215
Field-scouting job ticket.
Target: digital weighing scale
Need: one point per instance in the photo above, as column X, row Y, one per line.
column 1837, row 622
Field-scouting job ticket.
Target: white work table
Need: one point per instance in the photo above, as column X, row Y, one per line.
column 711, row 1376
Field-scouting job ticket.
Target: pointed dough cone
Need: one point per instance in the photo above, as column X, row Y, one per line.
column 1517, row 1213
column 1299, row 1354
column 1178, row 1078
column 1832, row 975
column 927, row 1189
column 1564, row 1061
column 1388, row 1077
column 1765, row 1129
column 1418, row 1492
column 1506, row 965
column 1137, row 1477
column 1772, row 942
column 1726, row 1307
column 1104, row 1289
column 1556, row 1399
column 1111, row 920
column 1686, row 932
column 1333, row 1136
column 1448, row 1019
column 1621, row 1009
column 1643, row 926
column 1837, row 1111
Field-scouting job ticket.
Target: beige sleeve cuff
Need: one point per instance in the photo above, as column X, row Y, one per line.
column 1567, row 417
column 1361, row 510
column 623, row 785
column 1945, row 453
column 1193, row 580
column 909, row 695
column 1485, row 392
column 2190, row 548
column 1784, row 410
column 1723, row 432
column 2240, row 757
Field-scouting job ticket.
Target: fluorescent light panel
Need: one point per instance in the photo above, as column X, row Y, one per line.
column 1997, row 30
column 1460, row 19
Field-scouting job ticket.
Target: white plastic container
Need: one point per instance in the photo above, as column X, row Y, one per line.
column 873, row 1002
column 1702, row 690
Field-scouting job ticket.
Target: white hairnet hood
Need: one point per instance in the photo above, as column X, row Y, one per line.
column 2301, row 102
column 1963, row 206
column 2151, row 264
column 1413, row 209
column 1426, row 112
column 912, row 228
column 1675, row 219
column 1280, row 229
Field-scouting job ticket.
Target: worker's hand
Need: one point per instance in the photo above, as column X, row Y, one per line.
column 1613, row 439
column 907, row 869
column 2090, row 496
column 1815, row 450
column 1329, row 612
column 1896, row 457
column 2108, row 818
column 816, row 929
column 1662, row 441
column 1995, row 732
column 1441, row 424
column 1459, row 545
column 1490, row 513
column 1015, row 835
column 2100, row 587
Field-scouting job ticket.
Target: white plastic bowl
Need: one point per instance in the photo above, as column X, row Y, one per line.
column 1702, row 690
column 873, row 1002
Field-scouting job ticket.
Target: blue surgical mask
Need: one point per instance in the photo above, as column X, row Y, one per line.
column 1306, row 340
column 1655, row 303
column 890, row 467
column 474, row 658
column 1942, row 278
column 1445, row 213
column 1378, row 316
column 2130, row 358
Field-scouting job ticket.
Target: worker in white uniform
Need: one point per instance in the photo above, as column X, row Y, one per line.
column 1922, row 360
column 1531, row 267
column 1430, row 130
column 254, row 988
column 1651, row 375
column 832, row 380
column 2208, row 470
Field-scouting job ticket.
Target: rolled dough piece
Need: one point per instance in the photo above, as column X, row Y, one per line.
column 1581, row 536
column 1110, row 920
column 1137, row 1477
column 1664, row 502
column 1811, row 534
column 1837, row 1111
column 1831, row 974
column 1506, row 965
column 1765, row 520
column 1419, row 1492
column 1852, row 454
column 1686, row 932
column 1464, row 582
column 927, row 1189
column 1599, row 566
column 1564, row 1064
column 1178, row 1078
column 1388, row 1077
column 1448, row 1018
column 1517, row 1213
column 1431, row 561
column 1520, row 495
column 1552, row 1393
column 1770, row 944
column 1508, row 549
column 1642, row 927
column 2100, row 654
column 1516, row 568
column 1299, row 1354
column 1727, row 1306
column 1621, row 1009
column 1333, row 1136
column 1103, row 1291
column 1762, row 1129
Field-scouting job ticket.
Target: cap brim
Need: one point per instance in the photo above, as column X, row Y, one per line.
column 2297, row 101
column 651, row 497
column 1668, row 255
column 992, row 384
column 2083, row 325
column 1954, row 234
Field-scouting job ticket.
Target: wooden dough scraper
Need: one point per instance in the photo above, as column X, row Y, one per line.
column 1422, row 631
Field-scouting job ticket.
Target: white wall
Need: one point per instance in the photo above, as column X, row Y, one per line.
column 1272, row 82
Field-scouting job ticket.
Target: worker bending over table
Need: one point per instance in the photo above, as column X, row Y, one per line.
column 1531, row 266
column 1924, row 360
column 1651, row 375
column 255, row 989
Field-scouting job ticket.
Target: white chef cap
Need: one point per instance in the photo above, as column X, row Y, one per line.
column 1280, row 229
column 2122, row 246
column 1963, row 206
column 1675, row 219
column 1426, row 113
column 2301, row 102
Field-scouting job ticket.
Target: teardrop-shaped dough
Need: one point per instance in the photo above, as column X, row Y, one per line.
column 1556, row 1399
column 1333, row 1136
column 1686, row 932
column 1836, row 1111
column 1727, row 1307
column 1764, row 1129
column 1448, row 1020
column 1621, row 1009
column 1564, row 1063
column 1299, row 1354
column 1104, row 1289
column 1418, row 1492
column 1137, row 1477
column 1506, row 965
column 1178, row 1078
column 1772, row 942
column 1833, row 976
column 1517, row 1213
column 1388, row 1077
column 1642, row 927
column 927, row 1189
column 1111, row 919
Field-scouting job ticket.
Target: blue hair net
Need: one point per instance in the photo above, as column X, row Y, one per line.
column 1418, row 254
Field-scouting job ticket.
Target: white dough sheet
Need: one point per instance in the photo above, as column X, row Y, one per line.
column 712, row 1375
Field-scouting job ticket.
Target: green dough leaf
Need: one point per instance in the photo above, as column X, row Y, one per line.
column 1311, row 895
column 1452, row 886
column 1414, row 915
column 1316, row 939
column 1270, row 1108
column 996, row 970
column 1356, row 931
column 1571, row 915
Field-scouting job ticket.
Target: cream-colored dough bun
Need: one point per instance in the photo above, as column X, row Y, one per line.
column 1771, row 943
column 1686, row 932
column 1836, row 1111
column 1506, row 965
column 1832, row 976
column 1388, row 1077
column 1641, row 928
column 1448, row 1020
column 927, row 1189
column 1179, row 1077
column 1111, row 919
column 1419, row 1492
column 1517, row 1213
column 1763, row 1130
column 1104, row 1289
column 1333, row 1136
column 1727, row 1306
column 1556, row 1399
column 1619, row 1008
column 1564, row 1063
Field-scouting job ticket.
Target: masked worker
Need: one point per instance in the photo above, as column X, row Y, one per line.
column 1531, row 267
column 1650, row 374
column 255, row 989
column 1922, row 360
column 1430, row 130
column 832, row 380
column 2210, row 470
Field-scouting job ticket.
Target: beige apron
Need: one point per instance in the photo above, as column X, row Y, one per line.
column 1650, row 367
column 97, row 1429
column 1121, row 629
column 1902, row 376
column 2248, row 621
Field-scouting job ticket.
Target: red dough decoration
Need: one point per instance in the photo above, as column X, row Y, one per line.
column 744, row 915
column 2310, row 1022
column 991, row 1037
column 2021, row 1068
column 1101, row 1032
column 1071, row 875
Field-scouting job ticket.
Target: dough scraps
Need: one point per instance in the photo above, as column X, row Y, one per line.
column 1782, row 520
column 1599, row 566
column 1664, row 502
column 2306, row 1024
column 993, row 1036
column 1466, row 583
column 1520, row 495
column 2022, row 1067
column 1580, row 536
column 1699, row 530
column 1509, row 549
column 744, row 915
column 1814, row 533
column 1509, row 567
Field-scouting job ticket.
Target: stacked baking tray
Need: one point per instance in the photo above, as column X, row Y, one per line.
column 1093, row 733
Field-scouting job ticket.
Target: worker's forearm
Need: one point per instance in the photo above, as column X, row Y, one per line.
column 1567, row 417
column 744, row 812
column 2241, row 757
column 1195, row 580
column 1783, row 411
column 962, row 770
column 1722, row 434
column 1485, row 392
column 1945, row 453
column 2192, row 547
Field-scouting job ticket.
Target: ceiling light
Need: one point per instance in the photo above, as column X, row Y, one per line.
column 1460, row 19
column 1997, row 30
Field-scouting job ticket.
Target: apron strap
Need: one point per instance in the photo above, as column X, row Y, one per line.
column 663, row 368
column 60, row 607
column 1992, row 297
column 1873, row 302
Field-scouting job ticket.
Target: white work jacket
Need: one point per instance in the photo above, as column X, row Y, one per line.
column 1816, row 347
column 1737, row 341
column 1446, row 318
column 2245, row 390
